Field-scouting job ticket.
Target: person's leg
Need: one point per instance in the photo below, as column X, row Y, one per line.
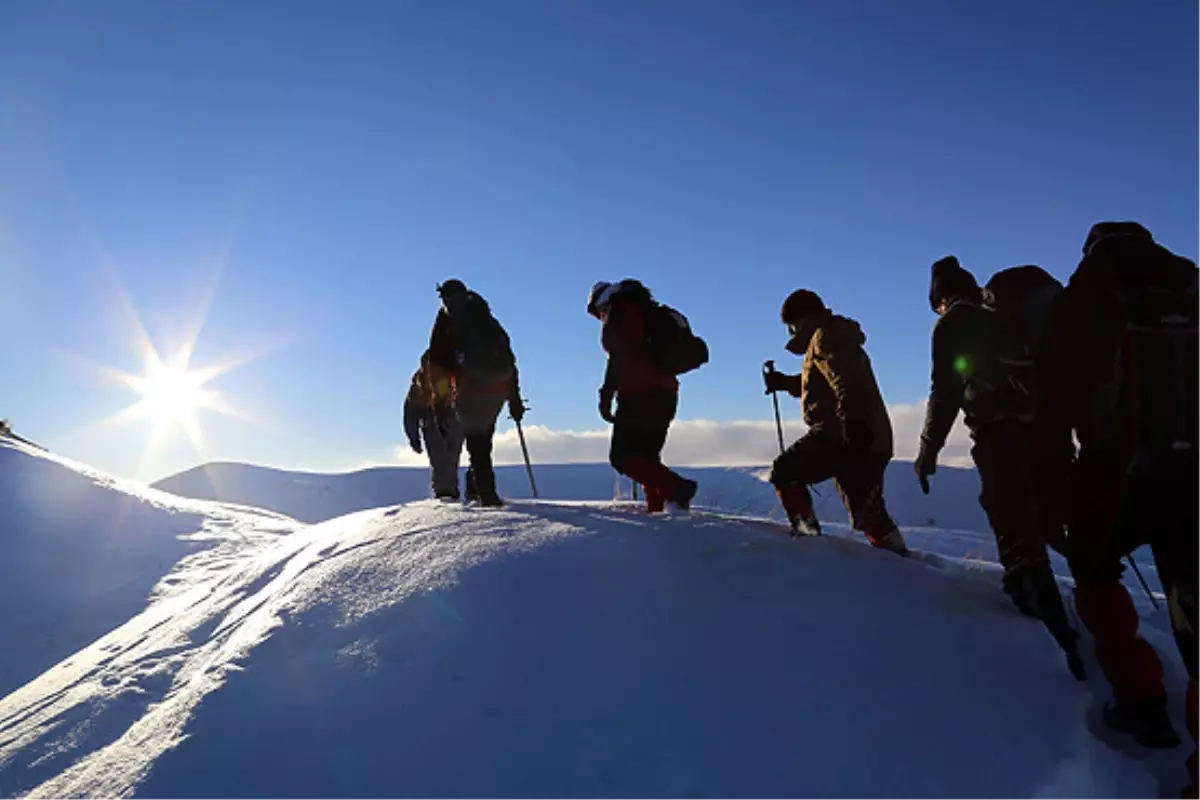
column 478, row 414
column 1176, row 549
column 812, row 458
column 443, row 466
column 859, row 481
column 639, row 434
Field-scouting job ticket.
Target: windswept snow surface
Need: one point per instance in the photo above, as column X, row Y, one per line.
column 316, row 497
column 81, row 553
column 551, row 648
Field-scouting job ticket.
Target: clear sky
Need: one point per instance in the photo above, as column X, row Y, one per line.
column 300, row 175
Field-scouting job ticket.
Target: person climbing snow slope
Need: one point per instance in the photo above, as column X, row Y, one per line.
column 1117, row 370
column 472, row 345
column 646, row 392
column 983, row 366
column 849, row 435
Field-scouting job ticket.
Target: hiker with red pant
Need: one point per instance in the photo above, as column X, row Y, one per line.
column 849, row 434
column 646, row 393
column 1117, row 370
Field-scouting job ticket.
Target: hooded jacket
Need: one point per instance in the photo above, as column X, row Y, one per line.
column 837, row 383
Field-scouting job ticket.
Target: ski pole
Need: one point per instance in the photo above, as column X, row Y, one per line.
column 525, row 453
column 1145, row 586
column 768, row 368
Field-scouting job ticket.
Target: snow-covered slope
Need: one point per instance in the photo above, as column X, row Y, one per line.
column 564, row 650
column 316, row 497
column 80, row 553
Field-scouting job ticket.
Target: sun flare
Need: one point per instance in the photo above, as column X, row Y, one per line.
column 170, row 392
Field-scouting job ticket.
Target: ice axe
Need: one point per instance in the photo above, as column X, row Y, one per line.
column 768, row 368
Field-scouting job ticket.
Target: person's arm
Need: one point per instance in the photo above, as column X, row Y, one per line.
column 945, row 389
column 443, row 350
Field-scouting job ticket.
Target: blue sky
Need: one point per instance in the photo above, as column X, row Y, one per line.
column 302, row 174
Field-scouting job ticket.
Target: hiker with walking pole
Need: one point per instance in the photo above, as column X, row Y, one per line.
column 648, row 346
column 849, row 434
column 472, row 345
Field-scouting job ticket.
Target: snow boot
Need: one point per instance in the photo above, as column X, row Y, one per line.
column 684, row 492
column 891, row 539
column 1145, row 720
column 797, row 505
column 656, row 499
column 447, row 496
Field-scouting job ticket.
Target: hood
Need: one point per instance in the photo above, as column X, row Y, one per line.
column 835, row 329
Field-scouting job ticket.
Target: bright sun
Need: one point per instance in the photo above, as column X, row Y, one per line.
column 171, row 393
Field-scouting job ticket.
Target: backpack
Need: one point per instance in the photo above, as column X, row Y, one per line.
column 1016, row 301
column 1157, row 361
column 672, row 345
column 484, row 350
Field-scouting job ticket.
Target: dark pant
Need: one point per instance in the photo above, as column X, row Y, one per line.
column 1115, row 510
column 443, row 437
column 478, row 415
column 858, row 475
column 1004, row 458
column 639, row 435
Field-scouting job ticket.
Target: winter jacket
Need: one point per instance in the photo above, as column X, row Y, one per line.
column 969, row 342
column 443, row 353
column 430, row 393
column 837, row 383
column 631, row 370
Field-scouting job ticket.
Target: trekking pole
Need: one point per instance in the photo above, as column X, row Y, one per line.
column 768, row 368
column 1145, row 586
column 525, row 453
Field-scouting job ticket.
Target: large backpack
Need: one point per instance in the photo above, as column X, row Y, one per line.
column 484, row 350
column 1159, row 358
column 673, row 346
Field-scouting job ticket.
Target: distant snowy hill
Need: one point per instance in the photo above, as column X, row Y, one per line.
column 316, row 497
column 551, row 648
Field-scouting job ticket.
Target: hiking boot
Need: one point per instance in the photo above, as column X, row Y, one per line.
column 491, row 500
column 1146, row 721
column 890, row 539
column 448, row 496
column 806, row 526
column 684, row 494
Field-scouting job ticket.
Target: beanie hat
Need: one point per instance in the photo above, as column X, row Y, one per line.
column 949, row 281
column 801, row 303
column 1111, row 230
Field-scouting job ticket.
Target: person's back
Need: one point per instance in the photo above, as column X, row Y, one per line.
column 473, row 346
column 1118, row 372
column 838, row 384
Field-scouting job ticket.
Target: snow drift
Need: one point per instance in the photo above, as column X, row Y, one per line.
column 80, row 552
column 546, row 649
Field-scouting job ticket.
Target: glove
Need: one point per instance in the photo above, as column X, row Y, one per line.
column 516, row 407
column 606, row 401
column 924, row 466
column 415, row 444
column 858, row 434
column 777, row 382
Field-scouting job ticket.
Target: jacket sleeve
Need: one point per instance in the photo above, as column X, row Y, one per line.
column 412, row 416
column 514, row 386
column 610, row 340
column 442, row 347
column 946, row 387
column 841, row 364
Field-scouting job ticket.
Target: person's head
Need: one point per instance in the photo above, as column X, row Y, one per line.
column 451, row 288
column 599, row 299
column 603, row 294
column 1114, row 230
column 801, row 308
column 950, row 282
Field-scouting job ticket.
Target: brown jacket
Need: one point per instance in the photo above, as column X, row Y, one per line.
column 837, row 383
